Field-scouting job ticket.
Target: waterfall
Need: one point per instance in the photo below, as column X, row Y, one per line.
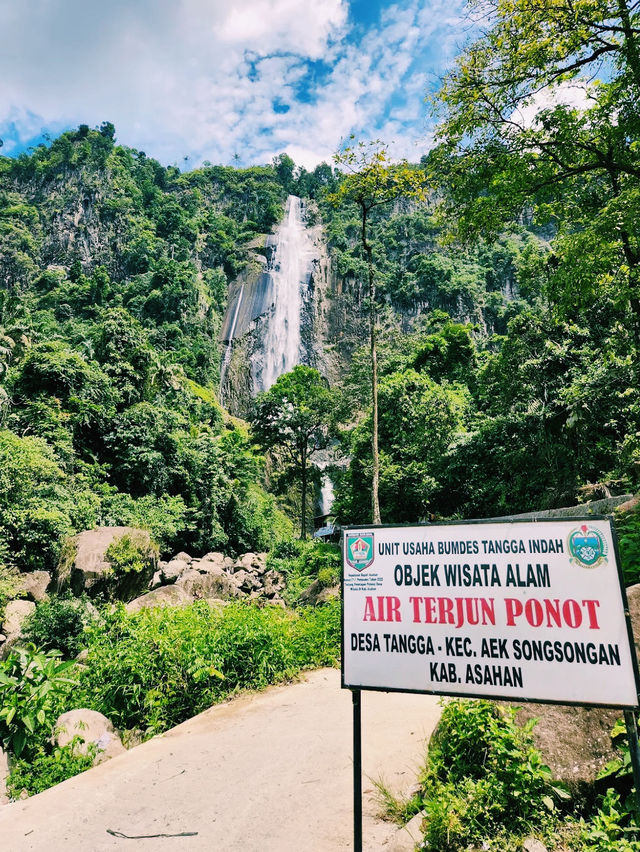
column 290, row 269
column 322, row 459
column 326, row 495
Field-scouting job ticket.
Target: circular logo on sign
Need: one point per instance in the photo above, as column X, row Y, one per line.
column 587, row 547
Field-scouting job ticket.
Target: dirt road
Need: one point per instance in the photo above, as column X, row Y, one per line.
column 270, row 772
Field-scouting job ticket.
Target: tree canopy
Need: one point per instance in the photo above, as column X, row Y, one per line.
column 540, row 120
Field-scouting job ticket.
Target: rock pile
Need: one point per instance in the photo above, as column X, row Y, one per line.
column 184, row 579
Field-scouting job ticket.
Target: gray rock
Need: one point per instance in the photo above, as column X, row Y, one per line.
column 15, row 614
column 317, row 593
column 182, row 557
column 210, row 568
column 253, row 562
column 156, row 580
column 215, row 557
column 407, row 838
column 273, row 582
column 208, row 585
column 86, row 568
column 250, row 583
column 92, row 727
column 164, row 596
column 34, row 585
column 174, row 569
column 239, row 577
column 532, row 844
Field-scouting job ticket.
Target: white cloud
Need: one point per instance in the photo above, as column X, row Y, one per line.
column 573, row 95
column 208, row 79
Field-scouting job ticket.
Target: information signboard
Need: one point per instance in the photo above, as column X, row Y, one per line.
column 523, row 610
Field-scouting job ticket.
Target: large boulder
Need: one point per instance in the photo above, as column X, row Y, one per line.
column 633, row 599
column 208, row 585
column 34, row 586
column 319, row 593
column 15, row 615
column 252, row 563
column 91, row 727
column 575, row 742
column 174, row 569
column 163, row 596
column 86, row 568
column 214, row 558
column 209, row 568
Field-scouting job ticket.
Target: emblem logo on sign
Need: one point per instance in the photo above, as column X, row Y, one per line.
column 360, row 552
column 587, row 547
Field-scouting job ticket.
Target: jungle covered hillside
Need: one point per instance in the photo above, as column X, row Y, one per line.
column 508, row 376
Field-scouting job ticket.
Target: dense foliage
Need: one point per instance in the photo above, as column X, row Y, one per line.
column 484, row 779
column 156, row 668
column 146, row 671
column 113, row 274
column 484, row 786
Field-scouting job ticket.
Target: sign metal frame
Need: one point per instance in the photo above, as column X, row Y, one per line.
column 630, row 710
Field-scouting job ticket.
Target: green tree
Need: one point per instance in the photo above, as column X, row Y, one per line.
column 419, row 419
column 518, row 141
column 371, row 180
column 295, row 415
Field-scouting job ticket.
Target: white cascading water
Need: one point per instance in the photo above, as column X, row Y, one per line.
column 326, row 495
column 290, row 269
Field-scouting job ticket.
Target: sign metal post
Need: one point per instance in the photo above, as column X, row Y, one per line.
column 631, row 722
column 357, row 770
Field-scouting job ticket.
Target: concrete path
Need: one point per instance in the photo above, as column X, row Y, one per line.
column 268, row 772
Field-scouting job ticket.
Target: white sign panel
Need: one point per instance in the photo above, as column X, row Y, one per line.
column 523, row 610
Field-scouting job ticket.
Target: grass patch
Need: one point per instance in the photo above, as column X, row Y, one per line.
column 155, row 668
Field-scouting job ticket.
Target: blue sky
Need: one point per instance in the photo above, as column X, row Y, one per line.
column 193, row 80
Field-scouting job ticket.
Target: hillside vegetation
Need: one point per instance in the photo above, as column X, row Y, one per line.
column 508, row 381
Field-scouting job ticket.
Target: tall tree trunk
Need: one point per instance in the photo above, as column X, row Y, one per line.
column 375, row 480
column 303, row 508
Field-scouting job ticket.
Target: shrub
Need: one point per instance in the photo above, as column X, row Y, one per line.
column 156, row 668
column 628, row 528
column 608, row 829
column 48, row 767
column 484, row 779
column 131, row 553
column 166, row 517
column 32, row 685
column 9, row 584
column 303, row 562
column 58, row 624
